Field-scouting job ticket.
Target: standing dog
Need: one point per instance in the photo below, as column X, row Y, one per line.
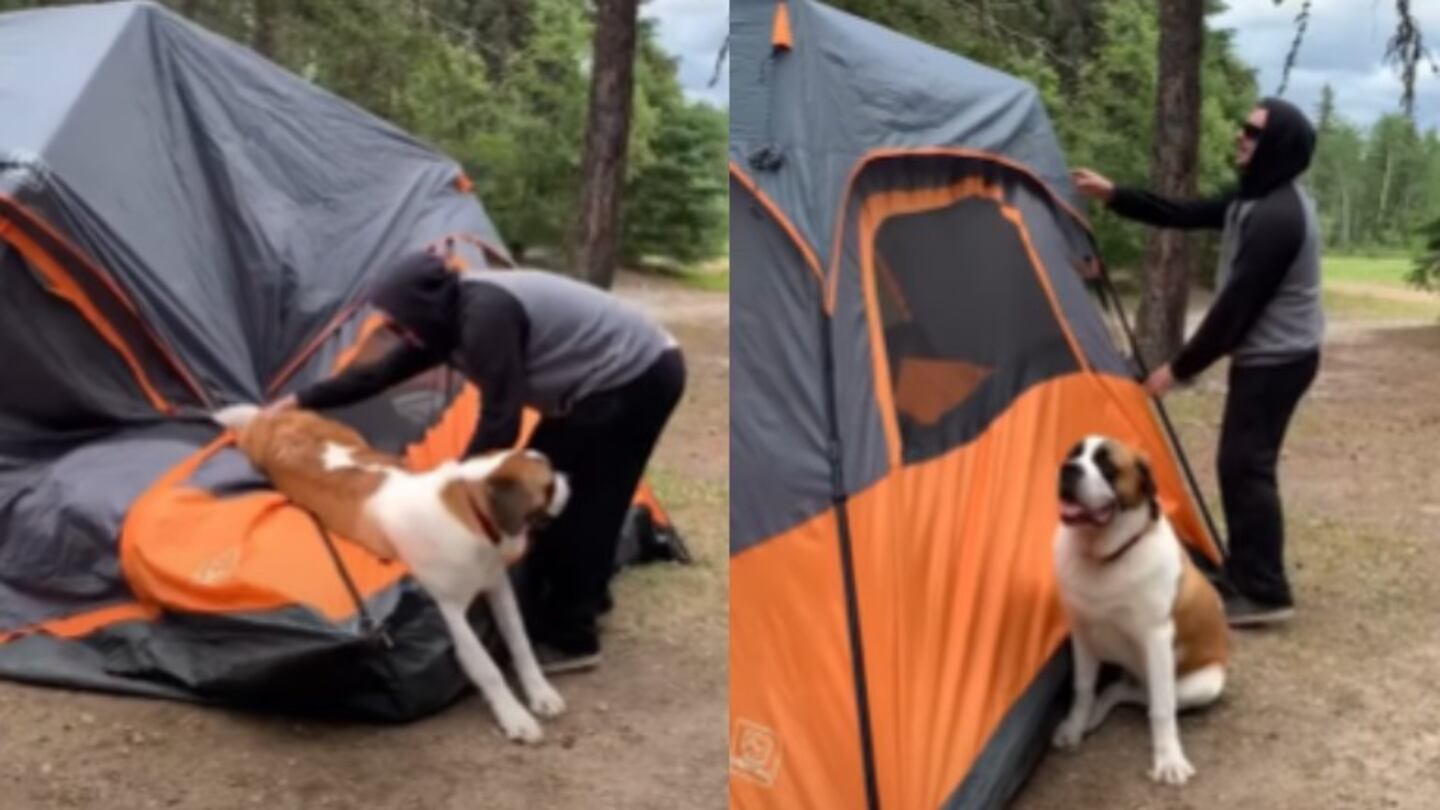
column 1134, row 599
column 456, row 527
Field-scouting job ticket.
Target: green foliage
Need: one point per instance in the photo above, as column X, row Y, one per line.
column 528, row 167
column 1109, row 122
column 1426, row 270
column 675, row 205
column 1378, row 190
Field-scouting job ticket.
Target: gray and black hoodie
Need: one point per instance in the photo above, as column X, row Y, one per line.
column 1267, row 310
column 524, row 337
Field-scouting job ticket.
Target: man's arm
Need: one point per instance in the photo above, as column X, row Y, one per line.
column 1271, row 239
column 494, row 343
column 1162, row 212
column 361, row 382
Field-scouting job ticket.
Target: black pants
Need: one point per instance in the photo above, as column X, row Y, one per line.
column 1258, row 408
column 603, row 446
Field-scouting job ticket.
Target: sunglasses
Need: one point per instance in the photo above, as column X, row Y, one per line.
column 1251, row 131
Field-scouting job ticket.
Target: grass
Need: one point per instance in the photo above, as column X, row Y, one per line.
column 711, row 275
column 1345, row 305
column 672, row 601
column 707, row 280
column 1383, row 273
column 1368, row 270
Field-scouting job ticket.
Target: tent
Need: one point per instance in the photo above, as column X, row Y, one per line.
column 185, row 225
column 914, row 351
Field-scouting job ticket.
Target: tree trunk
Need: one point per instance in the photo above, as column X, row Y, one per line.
column 267, row 24
column 1385, row 184
column 1173, row 160
column 607, row 134
column 1344, row 216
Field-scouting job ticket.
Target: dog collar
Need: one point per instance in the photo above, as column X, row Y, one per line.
column 1129, row 544
column 488, row 527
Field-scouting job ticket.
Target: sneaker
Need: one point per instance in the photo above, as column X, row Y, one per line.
column 1242, row 611
column 555, row 661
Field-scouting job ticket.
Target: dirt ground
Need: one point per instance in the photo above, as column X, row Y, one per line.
column 646, row 730
column 1339, row 709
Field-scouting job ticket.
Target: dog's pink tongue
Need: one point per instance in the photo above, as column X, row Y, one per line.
column 1072, row 511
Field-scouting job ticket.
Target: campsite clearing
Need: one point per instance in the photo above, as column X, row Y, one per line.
column 1337, row 709
column 647, row 730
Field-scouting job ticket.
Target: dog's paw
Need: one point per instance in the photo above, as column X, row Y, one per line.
column 545, row 701
column 1069, row 734
column 1172, row 769
column 520, row 727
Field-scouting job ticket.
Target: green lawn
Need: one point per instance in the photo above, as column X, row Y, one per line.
column 1367, row 269
column 1374, row 301
column 711, row 275
column 711, row 280
column 1363, row 307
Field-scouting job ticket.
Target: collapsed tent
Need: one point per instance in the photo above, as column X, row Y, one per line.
column 184, row 225
column 914, row 352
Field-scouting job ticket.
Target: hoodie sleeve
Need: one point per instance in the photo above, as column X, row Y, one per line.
column 494, row 346
column 1162, row 212
column 1270, row 239
column 362, row 382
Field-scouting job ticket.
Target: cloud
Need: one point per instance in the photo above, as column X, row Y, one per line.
column 693, row 32
column 1344, row 47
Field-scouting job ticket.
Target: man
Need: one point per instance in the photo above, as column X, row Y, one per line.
column 1267, row 317
column 604, row 378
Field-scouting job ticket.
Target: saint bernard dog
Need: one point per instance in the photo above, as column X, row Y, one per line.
column 455, row 527
column 1134, row 599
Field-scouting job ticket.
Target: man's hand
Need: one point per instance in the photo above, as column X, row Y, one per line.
column 1092, row 185
column 283, row 404
column 1160, row 381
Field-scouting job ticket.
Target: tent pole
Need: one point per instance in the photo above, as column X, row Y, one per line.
column 1109, row 286
column 840, row 503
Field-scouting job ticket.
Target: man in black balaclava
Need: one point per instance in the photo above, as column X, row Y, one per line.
column 1267, row 317
column 604, row 377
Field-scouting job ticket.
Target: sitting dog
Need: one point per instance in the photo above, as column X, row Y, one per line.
column 455, row 527
column 1135, row 599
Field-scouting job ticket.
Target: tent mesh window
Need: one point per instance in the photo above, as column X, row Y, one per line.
column 967, row 324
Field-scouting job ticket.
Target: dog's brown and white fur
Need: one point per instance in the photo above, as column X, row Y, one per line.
column 455, row 527
column 1135, row 599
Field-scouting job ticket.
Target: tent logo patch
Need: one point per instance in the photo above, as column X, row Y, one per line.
column 218, row 568
column 755, row 753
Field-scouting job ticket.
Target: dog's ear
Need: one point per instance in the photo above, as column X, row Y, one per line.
column 1147, row 477
column 1147, row 485
column 509, row 503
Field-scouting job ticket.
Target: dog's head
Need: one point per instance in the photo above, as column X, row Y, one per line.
column 515, row 491
column 1103, row 479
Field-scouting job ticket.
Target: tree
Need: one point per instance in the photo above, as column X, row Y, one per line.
column 267, row 25
column 1325, row 116
column 1405, row 50
column 597, row 236
column 1334, row 178
column 1425, row 273
column 1174, row 157
column 675, row 206
column 1392, row 173
column 528, row 157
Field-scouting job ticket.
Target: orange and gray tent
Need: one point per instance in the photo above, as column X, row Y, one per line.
column 914, row 351
column 184, row 225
